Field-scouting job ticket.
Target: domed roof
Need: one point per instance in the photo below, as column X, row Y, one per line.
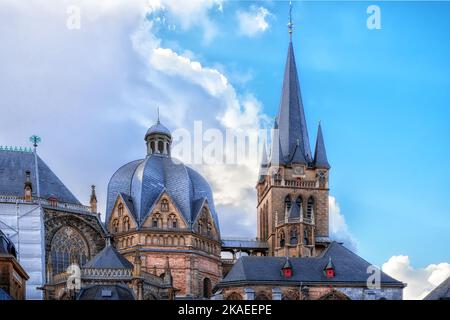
column 140, row 183
column 157, row 128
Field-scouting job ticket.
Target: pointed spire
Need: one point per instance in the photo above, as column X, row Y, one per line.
column 264, row 163
column 93, row 200
column 291, row 116
column 320, row 154
column 157, row 114
column 276, row 154
column 167, row 272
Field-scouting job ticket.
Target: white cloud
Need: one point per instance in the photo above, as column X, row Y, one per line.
column 92, row 93
column 338, row 228
column 420, row 281
column 254, row 21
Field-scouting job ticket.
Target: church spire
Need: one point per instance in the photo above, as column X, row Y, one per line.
column 294, row 138
column 276, row 154
column 320, row 154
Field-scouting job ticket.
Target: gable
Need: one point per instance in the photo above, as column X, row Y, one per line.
column 121, row 218
column 164, row 214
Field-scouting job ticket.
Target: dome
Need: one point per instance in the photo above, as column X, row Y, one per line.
column 141, row 182
column 157, row 128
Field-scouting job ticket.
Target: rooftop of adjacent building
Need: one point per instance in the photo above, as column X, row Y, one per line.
column 349, row 269
column 16, row 163
column 441, row 292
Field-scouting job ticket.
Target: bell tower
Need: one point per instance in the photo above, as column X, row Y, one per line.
column 292, row 187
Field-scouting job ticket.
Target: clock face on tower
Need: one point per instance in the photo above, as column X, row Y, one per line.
column 299, row 171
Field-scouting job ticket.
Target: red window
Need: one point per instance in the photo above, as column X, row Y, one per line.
column 330, row 273
column 287, row 272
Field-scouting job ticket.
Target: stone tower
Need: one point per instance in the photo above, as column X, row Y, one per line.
column 292, row 187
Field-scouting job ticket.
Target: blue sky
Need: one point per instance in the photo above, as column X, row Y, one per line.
column 382, row 97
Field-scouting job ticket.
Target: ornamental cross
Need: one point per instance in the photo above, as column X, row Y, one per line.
column 35, row 140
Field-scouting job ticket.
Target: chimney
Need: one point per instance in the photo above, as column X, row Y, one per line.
column 28, row 188
column 93, row 200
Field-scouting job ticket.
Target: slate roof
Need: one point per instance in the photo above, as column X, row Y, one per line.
column 108, row 258
column 106, row 292
column 243, row 243
column 157, row 128
column 14, row 164
column 6, row 245
column 320, row 154
column 291, row 116
column 4, row 295
column 290, row 140
column 349, row 268
column 142, row 182
column 441, row 292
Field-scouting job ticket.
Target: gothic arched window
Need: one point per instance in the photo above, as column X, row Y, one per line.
column 67, row 246
column 282, row 238
column 126, row 224
column 293, row 236
column 164, row 205
column 120, row 209
column 287, row 204
column 306, row 237
column 310, row 208
column 115, row 225
column 299, row 203
column 172, row 222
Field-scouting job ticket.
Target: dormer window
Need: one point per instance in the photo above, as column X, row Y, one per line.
column 330, row 273
column 287, row 269
column 329, row 269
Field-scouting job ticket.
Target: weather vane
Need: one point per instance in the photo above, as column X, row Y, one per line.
column 290, row 24
column 35, row 140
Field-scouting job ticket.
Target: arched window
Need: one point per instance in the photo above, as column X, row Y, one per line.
column 207, row 288
column 120, row 209
column 310, row 208
column 287, row 204
column 126, row 223
column 115, row 225
column 164, row 205
column 160, row 146
column 67, row 246
column 152, row 146
column 299, row 204
column 282, row 238
column 306, row 237
column 172, row 221
column 293, row 236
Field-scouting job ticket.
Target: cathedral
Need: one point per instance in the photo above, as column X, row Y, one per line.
column 161, row 238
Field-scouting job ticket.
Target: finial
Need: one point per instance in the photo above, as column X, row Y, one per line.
column 35, row 140
column 157, row 110
column 290, row 24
